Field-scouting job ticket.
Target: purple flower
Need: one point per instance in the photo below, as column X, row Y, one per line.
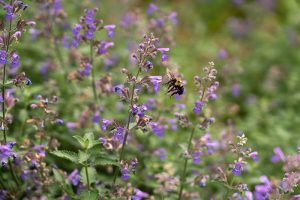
column 74, row 177
column 9, row 12
column 222, row 54
column 172, row 122
column 133, row 165
column 148, row 65
column 119, row 134
column 57, row 6
column 89, row 17
column 248, row 195
column 3, row 57
column 15, row 61
column 164, row 55
column 139, row 195
column 173, row 18
column 157, row 129
column 76, row 30
column 104, row 124
column 237, row 170
column 143, row 108
column 6, row 152
column 236, row 90
column 102, row 140
column 161, row 153
column 254, row 156
column 125, row 174
column 87, row 69
column 279, row 156
column 119, row 90
column 198, row 107
column 151, row 8
column 155, row 80
column 151, row 103
column 104, row 46
column 262, row 191
column 134, row 109
column 72, row 125
column 59, row 121
column 196, row 157
column 96, row 117
column 89, row 34
column 110, row 30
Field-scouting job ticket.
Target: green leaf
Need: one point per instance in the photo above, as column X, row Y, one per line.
column 80, row 140
column 91, row 140
column 58, row 176
column 92, row 175
column 89, row 195
column 83, row 156
column 102, row 161
column 69, row 155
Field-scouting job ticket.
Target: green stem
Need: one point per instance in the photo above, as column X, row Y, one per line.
column 87, row 176
column 127, row 128
column 93, row 71
column 183, row 176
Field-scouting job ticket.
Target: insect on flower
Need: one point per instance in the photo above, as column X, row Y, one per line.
column 21, row 80
column 175, row 84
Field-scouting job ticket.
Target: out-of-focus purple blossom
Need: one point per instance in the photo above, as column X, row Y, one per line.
column 128, row 20
column 279, row 156
column 161, row 153
column 76, row 35
column 139, row 195
column 104, row 46
column 57, row 6
column 198, row 107
column 59, row 121
column 34, row 33
column 222, row 54
column 172, row 122
column 196, row 157
column 74, row 177
column 9, row 12
column 3, row 57
column 262, row 191
column 157, row 129
column 15, row 61
column 151, row 103
column 248, row 195
column 156, row 80
column 238, row 2
column 110, row 30
column 236, row 90
column 41, row 150
column 72, row 125
column 151, row 8
column 3, row 194
column 254, row 156
column 96, row 117
column 45, row 69
column 164, row 55
column 87, row 69
column 125, row 174
column 102, row 140
column 89, row 17
column 237, row 170
column 6, row 152
column 148, row 65
column 104, row 124
column 173, row 18
column 119, row 134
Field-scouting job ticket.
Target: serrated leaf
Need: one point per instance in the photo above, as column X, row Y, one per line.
column 92, row 175
column 89, row 195
column 83, row 156
column 102, row 161
column 58, row 176
column 69, row 155
column 91, row 140
column 80, row 140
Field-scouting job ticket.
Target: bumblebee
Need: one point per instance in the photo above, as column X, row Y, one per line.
column 175, row 86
